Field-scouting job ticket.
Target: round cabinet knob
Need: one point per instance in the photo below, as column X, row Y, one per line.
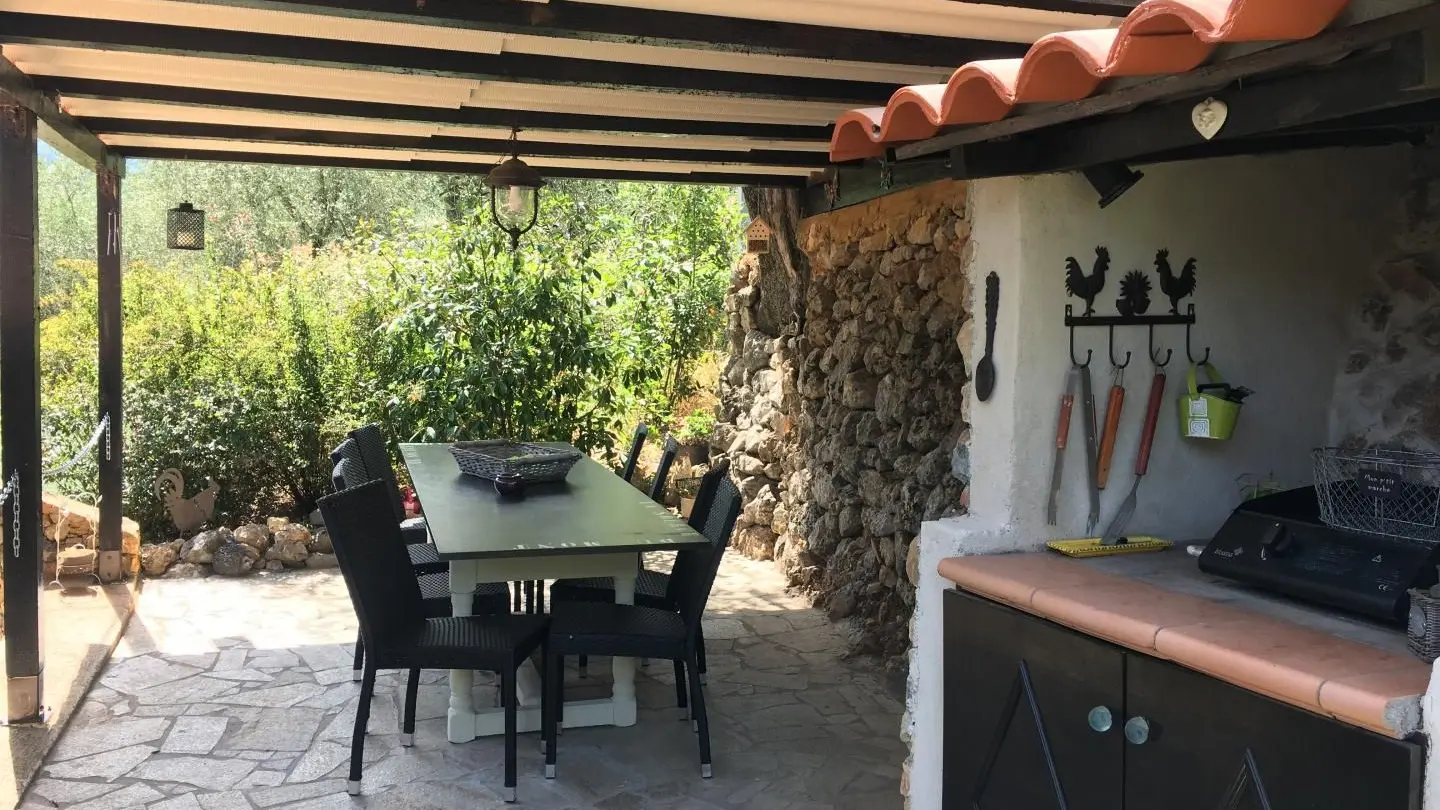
column 1137, row 730
column 1101, row 720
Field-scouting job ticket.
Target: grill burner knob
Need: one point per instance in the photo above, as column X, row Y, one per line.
column 1275, row 542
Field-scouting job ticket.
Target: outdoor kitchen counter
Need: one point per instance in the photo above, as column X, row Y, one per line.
column 1162, row 605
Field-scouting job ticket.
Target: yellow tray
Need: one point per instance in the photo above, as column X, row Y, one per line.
column 1092, row 547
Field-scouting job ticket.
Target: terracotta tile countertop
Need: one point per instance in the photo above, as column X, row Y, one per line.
column 1162, row 605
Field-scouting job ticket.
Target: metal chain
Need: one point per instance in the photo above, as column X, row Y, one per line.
column 101, row 430
column 11, row 492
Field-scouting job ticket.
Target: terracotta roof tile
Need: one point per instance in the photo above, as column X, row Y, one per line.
column 1157, row 37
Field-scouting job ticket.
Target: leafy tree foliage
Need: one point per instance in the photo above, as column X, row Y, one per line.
column 327, row 298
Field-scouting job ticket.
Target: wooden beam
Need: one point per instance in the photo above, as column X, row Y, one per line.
column 247, row 46
column 110, row 454
column 563, row 19
column 407, row 113
column 56, row 127
column 461, row 145
column 447, row 167
column 1359, row 85
column 1109, row 8
column 1324, row 47
column 22, row 537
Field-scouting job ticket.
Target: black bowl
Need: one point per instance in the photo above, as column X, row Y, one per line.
column 510, row 485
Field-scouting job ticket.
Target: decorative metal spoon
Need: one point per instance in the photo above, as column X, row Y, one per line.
column 985, row 370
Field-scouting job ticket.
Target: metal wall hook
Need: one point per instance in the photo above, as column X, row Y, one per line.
column 1188, row 351
column 1089, row 353
column 1155, row 354
column 1113, row 362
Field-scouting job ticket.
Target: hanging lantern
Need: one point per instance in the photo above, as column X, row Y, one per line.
column 185, row 228
column 514, row 194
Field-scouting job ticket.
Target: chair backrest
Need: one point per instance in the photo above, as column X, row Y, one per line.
column 694, row 579
column 662, row 471
column 627, row 470
column 705, row 494
column 376, row 457
column 372, row 557
column 349, row 470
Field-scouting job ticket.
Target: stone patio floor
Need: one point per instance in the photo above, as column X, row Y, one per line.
column 232, row 694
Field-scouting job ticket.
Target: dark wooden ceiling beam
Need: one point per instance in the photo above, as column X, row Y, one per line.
column 445, row 167
column 1207, row 78
column 247, row 46
column 408, row 113
column 563, row 19
column 57, row 128
column 449, row 143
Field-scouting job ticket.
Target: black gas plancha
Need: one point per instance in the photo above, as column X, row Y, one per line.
column 1278, row 543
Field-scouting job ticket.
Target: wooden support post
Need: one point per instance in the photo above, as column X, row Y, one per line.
column 111, row 450
column 20, row 412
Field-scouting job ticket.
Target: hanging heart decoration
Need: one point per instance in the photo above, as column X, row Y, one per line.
column 1209, row 117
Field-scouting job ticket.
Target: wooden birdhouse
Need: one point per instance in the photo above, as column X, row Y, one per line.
column 757, row 236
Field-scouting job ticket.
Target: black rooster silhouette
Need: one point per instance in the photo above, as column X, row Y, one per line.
column 1087, row 287
column 1134, row 294
column 1175, row 287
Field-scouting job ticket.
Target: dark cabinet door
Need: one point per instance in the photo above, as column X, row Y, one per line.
column 1021, row 697
column 1213, row 746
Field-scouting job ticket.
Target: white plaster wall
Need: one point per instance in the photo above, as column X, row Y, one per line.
column 1282, row 245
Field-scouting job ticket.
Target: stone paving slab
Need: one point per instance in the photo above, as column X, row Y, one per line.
column 236, row 694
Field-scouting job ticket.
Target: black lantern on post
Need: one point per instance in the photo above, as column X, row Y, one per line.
column 514, row 194
column 185, row 228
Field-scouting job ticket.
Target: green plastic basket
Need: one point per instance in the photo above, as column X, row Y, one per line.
column 1204, row 415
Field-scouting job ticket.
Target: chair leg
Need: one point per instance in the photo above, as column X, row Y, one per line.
column 529, row 596
column 584, row 663
column 680, row 685
column 362, row 719
column 700, row 654
column 359, row 657
column 553, row 701
column 515, row 593
column 412, row 692
column 507, row 690
column 697, row 702
column 539, row 596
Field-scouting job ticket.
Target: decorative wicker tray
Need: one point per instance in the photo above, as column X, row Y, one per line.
column 533, row 463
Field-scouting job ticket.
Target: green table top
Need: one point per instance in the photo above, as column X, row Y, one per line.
column 591, row 512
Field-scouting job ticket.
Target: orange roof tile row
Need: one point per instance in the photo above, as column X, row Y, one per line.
column 1157, row 37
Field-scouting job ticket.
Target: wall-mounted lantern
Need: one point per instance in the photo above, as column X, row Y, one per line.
column 514, row 194
column 185, row 228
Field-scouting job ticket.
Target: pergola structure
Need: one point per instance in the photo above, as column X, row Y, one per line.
column 735, row 92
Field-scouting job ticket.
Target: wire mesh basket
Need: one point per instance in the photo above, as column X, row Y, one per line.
column 1394, row 493
column 532, row 462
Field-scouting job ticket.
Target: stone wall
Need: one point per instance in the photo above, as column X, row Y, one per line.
column 68, row 522
column 1388, row 390
column 841, row 405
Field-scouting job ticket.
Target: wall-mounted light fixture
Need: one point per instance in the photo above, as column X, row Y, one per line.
column 1111, row 180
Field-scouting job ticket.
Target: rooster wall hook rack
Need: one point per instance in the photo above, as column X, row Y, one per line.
column 1132, row 305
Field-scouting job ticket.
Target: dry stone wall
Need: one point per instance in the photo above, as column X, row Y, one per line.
column 842, row 407
column 1388, row 391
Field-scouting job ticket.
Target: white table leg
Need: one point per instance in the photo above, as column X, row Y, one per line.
column 622, row 695
column 460, row 723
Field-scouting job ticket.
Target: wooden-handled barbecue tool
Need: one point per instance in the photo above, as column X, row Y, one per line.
column 1142, row 461
column 1062, row 438
column 1113, row 409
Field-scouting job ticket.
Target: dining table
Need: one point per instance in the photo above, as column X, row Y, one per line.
column 592, row 524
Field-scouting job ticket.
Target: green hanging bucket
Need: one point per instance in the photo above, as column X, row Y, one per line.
column 1204, row 415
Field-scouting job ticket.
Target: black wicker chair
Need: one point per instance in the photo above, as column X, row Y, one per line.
column 644, row 632
column 652, row 588
column 352, row 471
column 662, row 470
column 375, row 455
column 398, row 632
column 627, row 470
column 432, row 577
